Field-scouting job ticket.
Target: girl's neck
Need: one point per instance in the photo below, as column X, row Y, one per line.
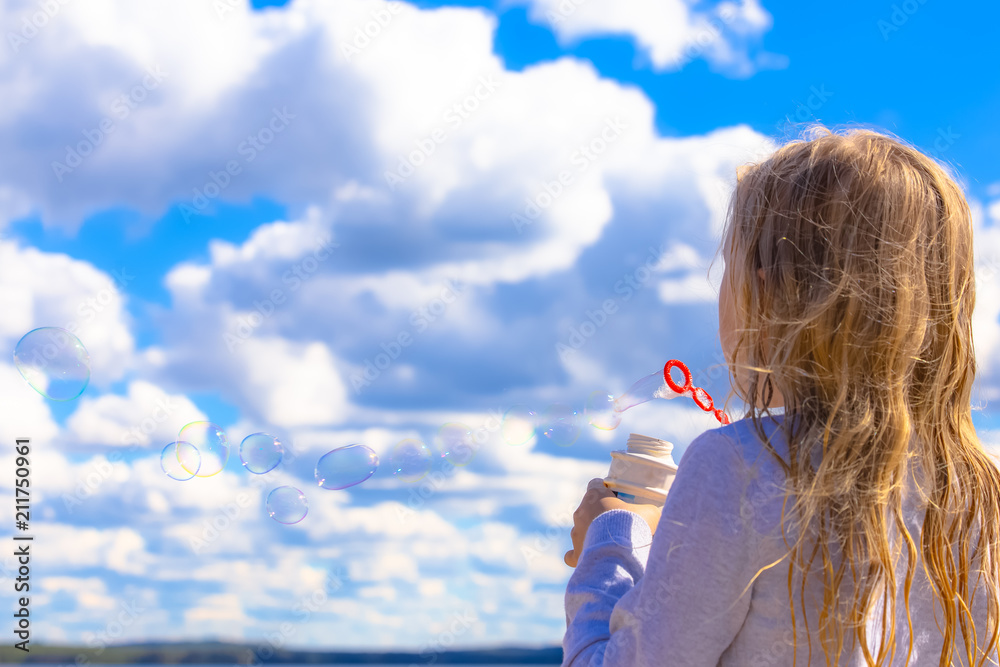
column 777, row 401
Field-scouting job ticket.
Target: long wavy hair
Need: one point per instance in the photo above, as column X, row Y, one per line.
column 850, row 262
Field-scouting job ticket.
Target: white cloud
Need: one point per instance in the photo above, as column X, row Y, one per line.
column 288, row 363
column 354, row 120
column 90, row 592
column 431, row 588
column 385, row 593
column 693, row 288
column 986, row 319
column 120, row 550
column 220, row 613
column 385, row 520
column 293, row 384
column 526, row 128
column 384, row 565
column 670, row 32
column 71, row 294
column 26, row 413
column 994, row 211
column 991, row 441
column 282, row 241
column 146, row 416
column 289, row 573
column 275, row 381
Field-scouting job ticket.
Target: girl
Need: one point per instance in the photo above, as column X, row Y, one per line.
column 860, row 524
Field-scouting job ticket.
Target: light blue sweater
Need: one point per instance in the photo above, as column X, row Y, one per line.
column 692, row 603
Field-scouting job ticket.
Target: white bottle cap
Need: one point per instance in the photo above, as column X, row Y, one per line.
column 643, row 473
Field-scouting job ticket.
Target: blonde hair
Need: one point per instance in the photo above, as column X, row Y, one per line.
column 851, row 270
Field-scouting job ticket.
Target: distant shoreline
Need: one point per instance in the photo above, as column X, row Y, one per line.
column 211, row 653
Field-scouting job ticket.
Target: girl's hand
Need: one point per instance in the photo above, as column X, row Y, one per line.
column 596, row 501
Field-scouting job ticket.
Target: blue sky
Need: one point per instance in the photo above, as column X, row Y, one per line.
column 227, row 308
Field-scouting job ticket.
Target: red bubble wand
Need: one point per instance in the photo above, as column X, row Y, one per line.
column 700, row 396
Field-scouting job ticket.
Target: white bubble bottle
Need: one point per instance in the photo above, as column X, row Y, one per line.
column 643, row 472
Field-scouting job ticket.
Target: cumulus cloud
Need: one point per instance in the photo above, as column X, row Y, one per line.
column 146, row 415
column 26, row 414
column 120, row 550
column 376, row 114
column 986, row 319
column 551, row 174
column 70, row 294
column 447, row 217
column 671, row 33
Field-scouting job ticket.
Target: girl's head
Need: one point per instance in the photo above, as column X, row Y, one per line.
column 850, row 271
column 848, row 293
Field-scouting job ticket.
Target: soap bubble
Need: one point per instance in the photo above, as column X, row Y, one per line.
column 601, row 411
column 346, row 466
column 179, row 459
column 519, row 425
column 560, row 424
column 410, row 460
column 212, row 444
column 54, row 362
column 643, row 390
column 454, row 441
column 287, row 505
column 260, row 453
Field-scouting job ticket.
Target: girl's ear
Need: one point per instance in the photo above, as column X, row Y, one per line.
column 760, row 272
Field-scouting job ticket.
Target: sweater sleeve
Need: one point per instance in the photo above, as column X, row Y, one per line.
column 689, row 601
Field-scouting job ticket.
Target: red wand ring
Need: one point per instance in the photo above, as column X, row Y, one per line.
column 700, row 396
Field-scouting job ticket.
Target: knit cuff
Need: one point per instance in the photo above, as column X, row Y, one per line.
column 621, row 528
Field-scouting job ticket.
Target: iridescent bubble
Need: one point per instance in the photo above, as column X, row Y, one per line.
column 189, row 456
column 179, row 458
column 346, row 466
column 212, row 444
column 410, row 460
column 560, row 424
column 601, row 411
column 54, row 363
column 287, row 505
column 650, row 387
column 260, row 453
column 518, row 425
column 454, row 441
